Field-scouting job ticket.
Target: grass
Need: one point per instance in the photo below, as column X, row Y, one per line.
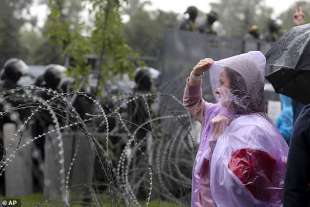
column 37, row 200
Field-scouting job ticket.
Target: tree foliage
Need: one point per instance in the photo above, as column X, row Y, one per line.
column 11, row 21
column 105, row 40
column 114, row 55
column 62, row 24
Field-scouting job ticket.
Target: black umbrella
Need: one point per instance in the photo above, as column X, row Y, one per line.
column 289, row 58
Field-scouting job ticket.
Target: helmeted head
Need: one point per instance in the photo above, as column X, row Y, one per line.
column 238, row 82
column 53, row 75
column 212, row 17
column 192, row 11
column 143, row 80
column 254, row 31
column 274, row 26
column 13, row 70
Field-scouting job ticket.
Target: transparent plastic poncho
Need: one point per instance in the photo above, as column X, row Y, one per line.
column 244, row 166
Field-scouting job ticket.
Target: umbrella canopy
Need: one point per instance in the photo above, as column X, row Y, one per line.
column 289, row 58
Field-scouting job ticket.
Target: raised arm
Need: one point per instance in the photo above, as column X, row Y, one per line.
column 192, row 98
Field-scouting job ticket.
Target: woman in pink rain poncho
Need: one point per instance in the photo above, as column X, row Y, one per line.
column 241, row 158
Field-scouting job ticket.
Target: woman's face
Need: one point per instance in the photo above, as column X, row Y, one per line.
column 223, row 91
column 224, row 80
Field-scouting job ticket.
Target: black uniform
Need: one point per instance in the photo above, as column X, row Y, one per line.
column 297, row 182
column 11, row 73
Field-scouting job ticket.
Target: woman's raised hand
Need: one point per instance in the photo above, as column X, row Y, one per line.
column 219, row 124
column 202, row 66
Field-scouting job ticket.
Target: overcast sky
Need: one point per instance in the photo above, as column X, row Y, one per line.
column 179, row 6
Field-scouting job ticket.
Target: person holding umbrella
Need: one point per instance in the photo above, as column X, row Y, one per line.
column 299, row 16
column 298, row 19
column 241, row 156
column 290, row 59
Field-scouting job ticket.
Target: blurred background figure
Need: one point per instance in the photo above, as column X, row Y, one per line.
column 254, row 32
column 299, row 16
column 284, row 122
column 290, row 109
column 140, row 111
column 298, row 19
column 253, row 36
column 50, row 79
column 11, row 73
column 54, row 78
column 13, row 70
column 274, row 31
column 291, row 56
column 154, row 74
column 208, row 26
column 189, row 23
column 137, row 110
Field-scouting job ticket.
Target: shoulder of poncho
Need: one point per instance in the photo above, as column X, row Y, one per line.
column 251, row 132
column 250, row 123
column 211, row 109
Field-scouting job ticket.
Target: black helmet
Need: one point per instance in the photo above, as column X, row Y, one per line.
column 274, row 26
column 13, row 69
column 143, row 80
column 192, row 11
column 212, row 17
column 53, row 75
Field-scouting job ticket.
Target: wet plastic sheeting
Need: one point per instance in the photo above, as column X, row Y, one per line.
column 181, row 51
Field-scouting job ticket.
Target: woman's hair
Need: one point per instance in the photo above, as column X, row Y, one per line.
column 242, row 101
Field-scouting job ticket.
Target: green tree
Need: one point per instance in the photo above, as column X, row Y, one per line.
column 106, row 40
column 31, row 39
column 62, row 24
column 12, row 18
